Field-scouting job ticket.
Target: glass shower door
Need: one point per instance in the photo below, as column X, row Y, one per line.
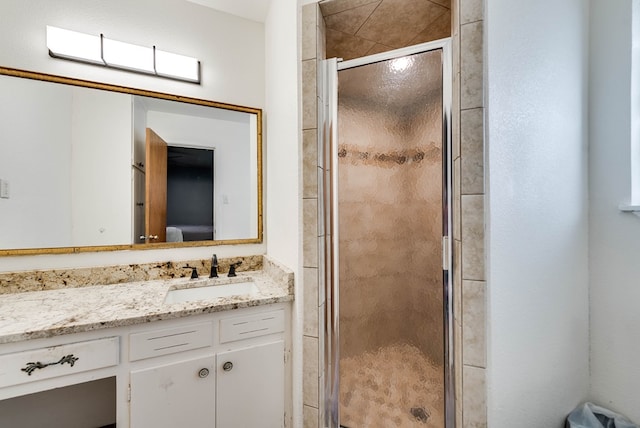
column 390, row 181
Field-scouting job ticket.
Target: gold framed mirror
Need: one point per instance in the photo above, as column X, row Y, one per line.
column 80, row 168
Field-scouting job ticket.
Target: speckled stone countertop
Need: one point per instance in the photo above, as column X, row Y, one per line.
column 41, row 314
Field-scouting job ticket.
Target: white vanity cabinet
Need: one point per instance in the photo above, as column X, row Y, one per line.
column 177, row 391
column 57, row 361
column 250, row 390
column 173, row 395
column 251, row 370
column 222, row 369
column 227, row 370
column 66, row 381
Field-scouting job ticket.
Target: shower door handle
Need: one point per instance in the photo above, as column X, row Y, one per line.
column 445, row 253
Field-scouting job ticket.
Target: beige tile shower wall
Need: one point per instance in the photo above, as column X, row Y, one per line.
column 469, row 277
column 467, row 24
column 312, row 51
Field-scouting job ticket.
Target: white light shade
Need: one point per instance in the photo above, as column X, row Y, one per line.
column 125, row 55
column 111, row 53
column 73, row 45
column 177, row 66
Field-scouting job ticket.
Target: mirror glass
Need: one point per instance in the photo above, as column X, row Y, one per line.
column 87, row 166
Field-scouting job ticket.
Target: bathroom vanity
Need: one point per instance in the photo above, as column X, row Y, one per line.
column 146, row 354
column 94, row 351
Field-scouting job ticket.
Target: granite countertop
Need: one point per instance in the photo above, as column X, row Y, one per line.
column 41, row 314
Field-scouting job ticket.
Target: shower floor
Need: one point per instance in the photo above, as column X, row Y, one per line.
column 396, row 386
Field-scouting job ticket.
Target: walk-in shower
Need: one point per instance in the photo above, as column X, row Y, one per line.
column 388, row 326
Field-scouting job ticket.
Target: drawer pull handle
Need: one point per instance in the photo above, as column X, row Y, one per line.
column 31, row 367
column 227, row 366
column 203, row 373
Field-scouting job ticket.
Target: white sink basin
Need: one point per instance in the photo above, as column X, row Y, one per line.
column 181, row 295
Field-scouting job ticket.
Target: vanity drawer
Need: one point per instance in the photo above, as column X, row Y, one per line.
column 46, row 363
column 245, row 327
column 170, row 340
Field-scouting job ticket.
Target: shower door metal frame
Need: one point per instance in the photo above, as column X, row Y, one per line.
column 328, row 157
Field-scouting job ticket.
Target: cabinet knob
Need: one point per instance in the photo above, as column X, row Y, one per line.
column 203, row 373
column 227, row 366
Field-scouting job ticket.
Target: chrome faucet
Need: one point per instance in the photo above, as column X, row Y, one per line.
column 214, row 267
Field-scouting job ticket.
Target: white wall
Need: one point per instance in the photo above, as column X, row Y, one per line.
column 614, row 236
column 35, row 154
column 538, row 344
column 100, row 167
column 283, row 132
column 231, row 51
column 283, row 193
column 65, row 153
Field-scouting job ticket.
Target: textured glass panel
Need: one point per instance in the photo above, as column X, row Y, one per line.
column 390, row 208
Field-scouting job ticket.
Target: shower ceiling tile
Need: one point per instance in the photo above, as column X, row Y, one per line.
column 438, row 29
column 336, row 6
column 445, row 3
column 378, row 48
column 396, row 22
column 351, row 20
column 412, row 21
column 346, row 46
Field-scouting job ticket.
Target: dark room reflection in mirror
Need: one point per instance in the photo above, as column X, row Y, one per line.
column 190, row 194
column 197, row 209
column 92, row 165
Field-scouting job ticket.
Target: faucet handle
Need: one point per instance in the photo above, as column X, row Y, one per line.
column 194, row 271
column 214, row 267
column 232, row 268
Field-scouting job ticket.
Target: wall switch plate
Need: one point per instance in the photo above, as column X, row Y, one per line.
column 4, row 189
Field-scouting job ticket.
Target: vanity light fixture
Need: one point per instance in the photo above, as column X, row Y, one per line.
column 99, row 50
column 127, row 56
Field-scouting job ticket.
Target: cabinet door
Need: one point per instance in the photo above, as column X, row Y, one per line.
column 180, row 394
column 251, row 392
